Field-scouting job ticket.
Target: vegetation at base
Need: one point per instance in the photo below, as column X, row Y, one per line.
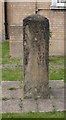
column 56, row 65
column 34, row 115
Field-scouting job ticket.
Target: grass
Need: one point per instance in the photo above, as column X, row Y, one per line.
column 34, row 115
column 6, row 58
column 56, row 74
column 12, row 74
column 56, row 60
column 9, row 73
column 56, row 68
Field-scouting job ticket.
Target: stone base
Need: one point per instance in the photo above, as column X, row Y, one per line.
column 13, row 101
column 34, row 94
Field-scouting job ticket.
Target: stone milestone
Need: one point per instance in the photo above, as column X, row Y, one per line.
column 36, row 56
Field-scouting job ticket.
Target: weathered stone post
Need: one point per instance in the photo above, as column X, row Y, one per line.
column 36, row 54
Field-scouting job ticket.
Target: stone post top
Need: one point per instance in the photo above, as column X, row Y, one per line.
column 36, row 17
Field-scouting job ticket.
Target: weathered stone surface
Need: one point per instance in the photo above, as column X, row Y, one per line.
column 36, row 50
column 13, row 102
column 11, row 106
column 65, row 104
column 0, row 91
column 17, row 93
column 0, row 106
column 10, row 84
column 59, row 104
column 56, row 84
column 0, row 98
column 12, row 89
column 57, row 93
column 44, row 105
column 29, row 105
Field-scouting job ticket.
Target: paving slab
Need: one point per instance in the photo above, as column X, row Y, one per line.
column 44, row 105
column 57, row 93
column 18, row 93
column 0, row 106
column 56, row 84
column 12, row 93
column 10, row 84
column 58, row 104
column 0, row 99
column 65, row 104
column 11, row 106
column 0, row 92
column 29, row 105
column 65, row 91
column 52, row 83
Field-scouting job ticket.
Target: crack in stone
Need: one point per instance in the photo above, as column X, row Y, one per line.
column 37, row 109
column 21, row 104
column 52, row 100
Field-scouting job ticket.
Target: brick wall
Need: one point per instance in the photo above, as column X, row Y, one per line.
column 56, row 19
column 18, row 11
